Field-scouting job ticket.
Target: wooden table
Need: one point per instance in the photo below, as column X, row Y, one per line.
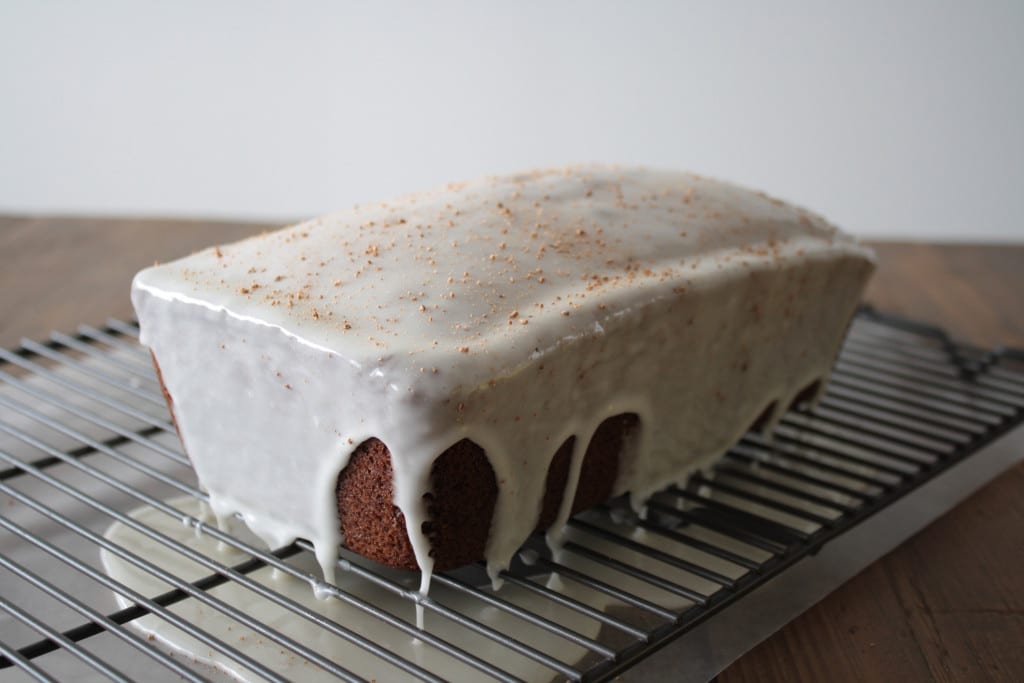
column 947, row 605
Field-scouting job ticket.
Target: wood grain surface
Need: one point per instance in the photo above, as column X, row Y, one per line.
column 948, row 605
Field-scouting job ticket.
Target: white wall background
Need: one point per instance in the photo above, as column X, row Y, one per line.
column 891, row 118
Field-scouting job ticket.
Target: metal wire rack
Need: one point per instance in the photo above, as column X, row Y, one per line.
column 85, row 437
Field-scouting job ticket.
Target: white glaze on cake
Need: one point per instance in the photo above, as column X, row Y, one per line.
column 514, row 312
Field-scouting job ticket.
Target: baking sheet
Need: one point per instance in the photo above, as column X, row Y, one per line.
column 707, row 650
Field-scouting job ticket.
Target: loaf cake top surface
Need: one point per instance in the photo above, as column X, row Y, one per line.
column 518, row 262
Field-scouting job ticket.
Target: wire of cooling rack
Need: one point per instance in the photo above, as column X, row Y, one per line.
column 85, row 436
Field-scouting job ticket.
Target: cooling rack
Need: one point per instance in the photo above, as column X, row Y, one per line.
column 106, row 554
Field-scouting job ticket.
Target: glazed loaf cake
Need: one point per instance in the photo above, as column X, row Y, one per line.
column 432, row 379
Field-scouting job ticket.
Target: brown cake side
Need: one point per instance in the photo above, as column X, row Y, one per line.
column 167, row 395
column 461, row 504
